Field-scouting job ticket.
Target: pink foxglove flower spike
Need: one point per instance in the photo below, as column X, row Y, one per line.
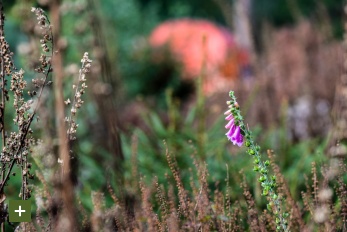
column 238, row 133
column 234, row 133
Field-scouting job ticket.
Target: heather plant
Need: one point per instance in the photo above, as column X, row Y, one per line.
column 221, row 211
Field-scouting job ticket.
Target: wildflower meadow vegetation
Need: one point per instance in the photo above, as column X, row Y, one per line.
column 150, row 115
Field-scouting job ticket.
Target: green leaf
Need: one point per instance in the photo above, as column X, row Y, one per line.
column 157, row 124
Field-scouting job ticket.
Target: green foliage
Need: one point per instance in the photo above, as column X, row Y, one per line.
column 181, row 137
column 180, row 8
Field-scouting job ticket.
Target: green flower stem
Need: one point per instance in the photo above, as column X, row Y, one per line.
column 267, row 182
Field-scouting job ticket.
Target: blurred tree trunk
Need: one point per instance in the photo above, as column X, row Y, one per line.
column 242, row 24
column 106, row 98
column 67, row 220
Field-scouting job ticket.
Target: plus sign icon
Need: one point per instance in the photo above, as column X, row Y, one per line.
column 19, row 211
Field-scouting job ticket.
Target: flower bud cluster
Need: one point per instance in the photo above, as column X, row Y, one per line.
column 77, row 102
column 45, row 63
column 267, row 182
column 22, row 107
column 42, row 19
column 7, row 56
column 13, row 144
column 8, row 67
column 46, row 42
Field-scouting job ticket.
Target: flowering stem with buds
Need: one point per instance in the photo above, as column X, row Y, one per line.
column 80, row 88
column 17, row 148
column 239, row 132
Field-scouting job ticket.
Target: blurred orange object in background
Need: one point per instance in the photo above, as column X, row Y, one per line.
column 200, row 45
